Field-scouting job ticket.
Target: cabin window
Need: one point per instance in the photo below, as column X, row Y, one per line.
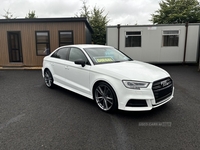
column 170, row 38
column 42, row 43
column 65, row 38
column 133, row 39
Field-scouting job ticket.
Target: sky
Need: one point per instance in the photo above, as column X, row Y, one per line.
column 124, row 12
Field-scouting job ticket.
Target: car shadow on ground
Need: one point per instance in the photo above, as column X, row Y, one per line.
column 81, row 100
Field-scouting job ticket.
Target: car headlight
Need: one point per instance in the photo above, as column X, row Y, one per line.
column 135, row 84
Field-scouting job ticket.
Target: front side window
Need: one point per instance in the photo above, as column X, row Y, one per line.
column 42, row 43
column 77, row 54
column 133, row 39
column 65, row 38
column 170, row 38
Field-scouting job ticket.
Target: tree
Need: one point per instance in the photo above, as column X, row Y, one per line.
column 177, row 11
column 8, row 15
column 84, row 11
column 98, row 22
column 31, row 15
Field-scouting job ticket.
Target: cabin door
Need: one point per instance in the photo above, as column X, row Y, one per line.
column 14, row 46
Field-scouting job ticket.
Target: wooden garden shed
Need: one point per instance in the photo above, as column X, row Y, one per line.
column 25, row 42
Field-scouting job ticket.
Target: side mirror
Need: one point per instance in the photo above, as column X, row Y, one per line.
column 80, row 62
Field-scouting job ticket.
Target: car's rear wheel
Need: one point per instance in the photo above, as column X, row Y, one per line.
column 48, row 78
column 105, row 97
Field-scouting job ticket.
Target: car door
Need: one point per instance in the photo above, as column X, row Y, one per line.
column 78, row 77
column 59, row 65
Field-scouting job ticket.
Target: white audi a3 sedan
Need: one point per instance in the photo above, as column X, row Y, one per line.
column 109, row 77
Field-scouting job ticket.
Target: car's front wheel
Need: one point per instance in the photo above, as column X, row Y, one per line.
column 105, row 97
column 48, row 79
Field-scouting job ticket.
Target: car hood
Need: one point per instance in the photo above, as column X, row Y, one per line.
column 133, row 70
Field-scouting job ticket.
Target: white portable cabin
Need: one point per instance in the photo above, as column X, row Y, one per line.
column 157, row 43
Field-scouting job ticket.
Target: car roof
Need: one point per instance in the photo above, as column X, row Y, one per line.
column 87, row 46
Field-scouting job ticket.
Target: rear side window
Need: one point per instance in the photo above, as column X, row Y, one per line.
column 61, row 53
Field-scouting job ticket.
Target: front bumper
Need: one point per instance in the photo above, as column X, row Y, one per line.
column 145, row 95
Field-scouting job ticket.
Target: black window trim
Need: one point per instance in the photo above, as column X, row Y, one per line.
column 134, row 34
column 59, row 42
column 42, row 42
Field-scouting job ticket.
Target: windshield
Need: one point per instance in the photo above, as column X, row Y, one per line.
column 106, row 55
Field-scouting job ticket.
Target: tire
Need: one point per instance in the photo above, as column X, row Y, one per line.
column 48, row 79
column 105, row 97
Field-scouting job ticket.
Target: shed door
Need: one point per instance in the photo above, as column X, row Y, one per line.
column 14, row 46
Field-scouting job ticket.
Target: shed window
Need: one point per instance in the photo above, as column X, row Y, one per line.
column 133, row 39
column 42, row 43
column 171, row 38
column 65, row 38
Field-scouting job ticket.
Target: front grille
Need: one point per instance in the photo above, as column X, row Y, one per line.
column 162, row 89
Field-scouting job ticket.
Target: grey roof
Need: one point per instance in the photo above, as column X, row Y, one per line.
column 43, row 20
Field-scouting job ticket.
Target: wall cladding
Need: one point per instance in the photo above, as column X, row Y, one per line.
column 28, row 38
